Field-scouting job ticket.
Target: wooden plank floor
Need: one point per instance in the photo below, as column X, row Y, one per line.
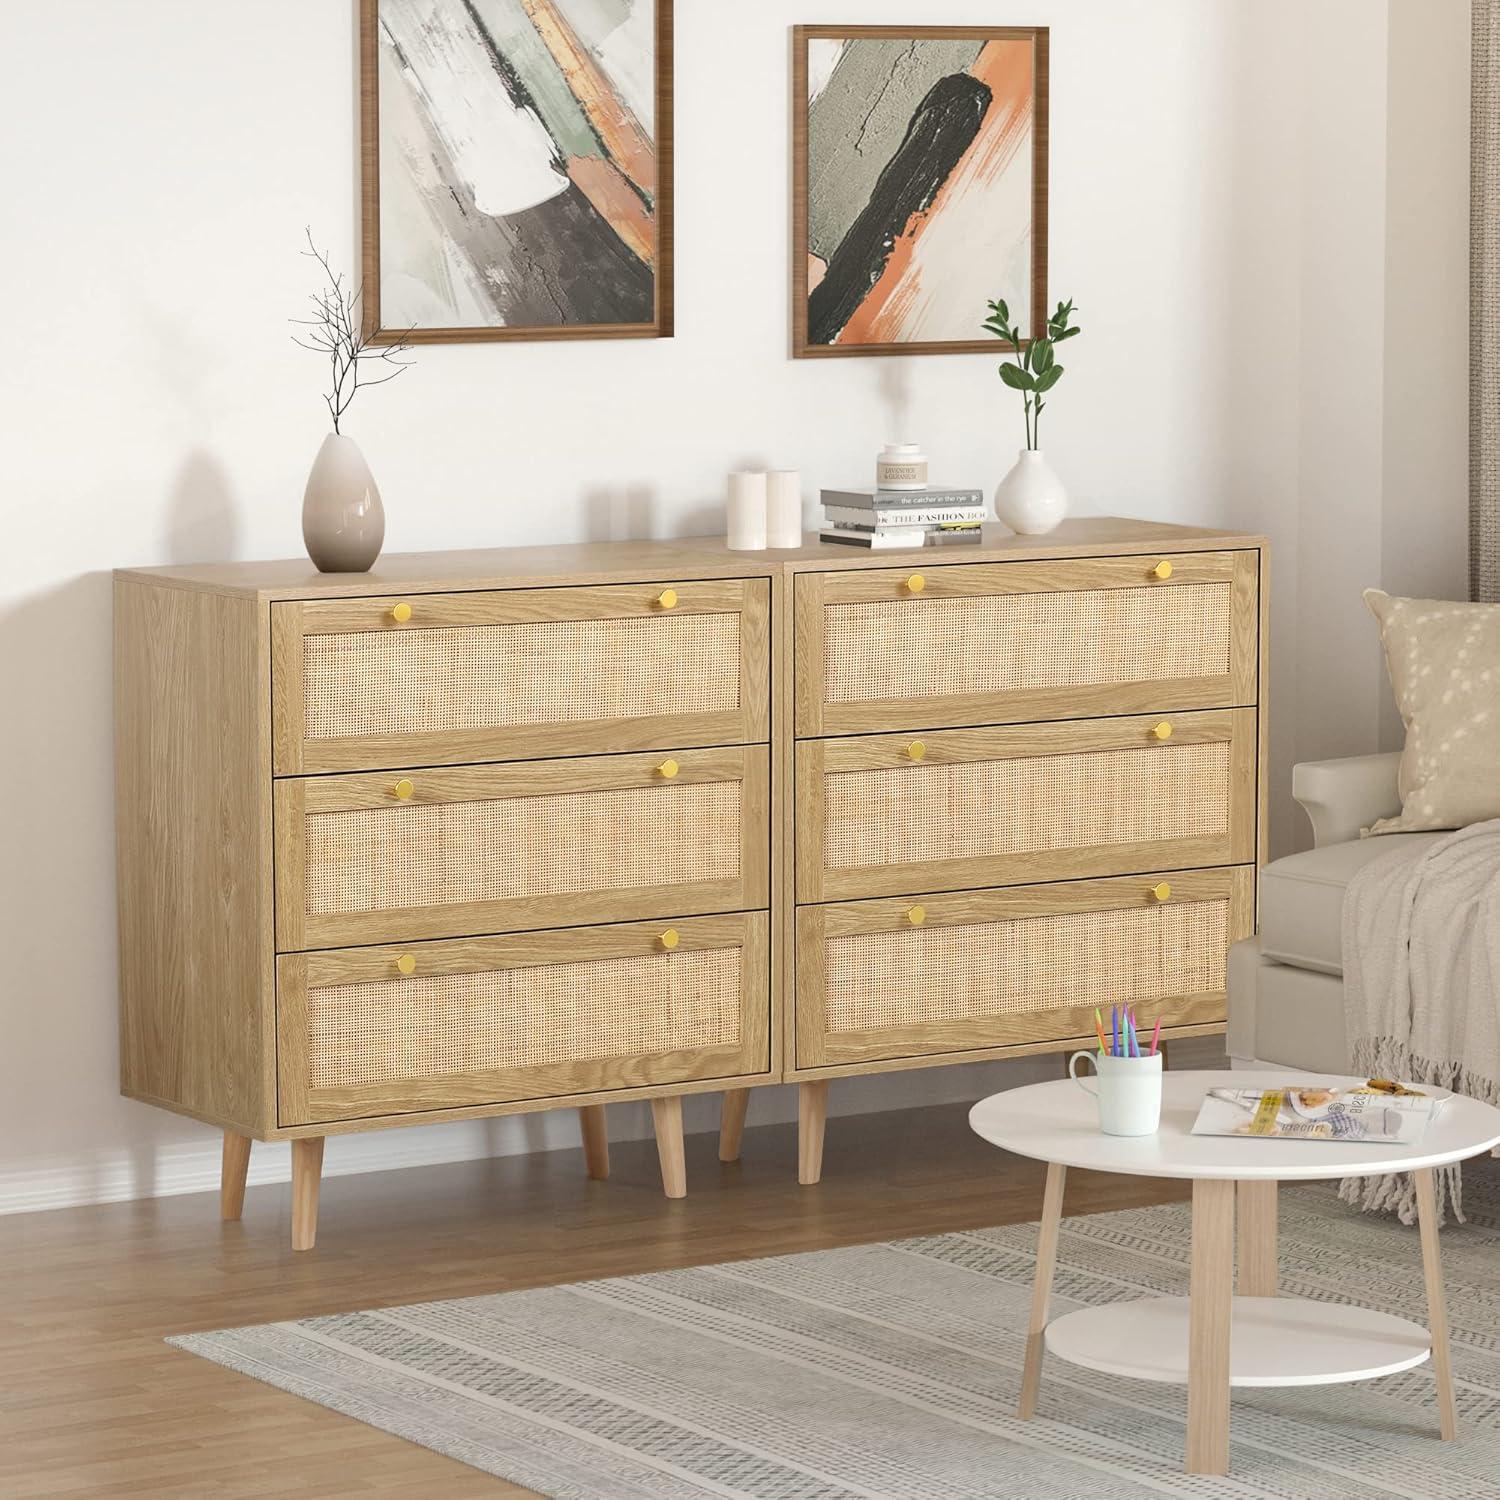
column 93, row 1403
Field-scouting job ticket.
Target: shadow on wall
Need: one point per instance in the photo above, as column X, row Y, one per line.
column 619, row 512
column 59, row 1065
column 628, row 512
column 893, row 381
column 705, row 518
column 62, row 1120
column 201, row 522
column 56, row 882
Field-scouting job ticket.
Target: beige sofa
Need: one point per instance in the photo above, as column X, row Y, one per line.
column 1286, row 990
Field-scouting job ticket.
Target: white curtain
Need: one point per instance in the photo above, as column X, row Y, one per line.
column 1484, row 316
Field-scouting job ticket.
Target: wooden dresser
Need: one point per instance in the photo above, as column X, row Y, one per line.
column 479, row 833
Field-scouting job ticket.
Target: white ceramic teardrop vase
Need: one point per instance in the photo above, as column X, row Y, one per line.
column 343, row 521
column 1031, row 499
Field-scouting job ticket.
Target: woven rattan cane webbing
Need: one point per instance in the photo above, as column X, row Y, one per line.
column 431, row 1027
column 1025, row 966
column 1000, row 643
column 376, row 859
column 901, row 814
column 493, row 676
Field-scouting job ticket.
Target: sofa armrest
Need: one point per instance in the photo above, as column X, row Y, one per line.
column 1343, row 796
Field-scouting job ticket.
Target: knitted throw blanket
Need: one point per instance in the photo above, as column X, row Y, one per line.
column 1421, row 938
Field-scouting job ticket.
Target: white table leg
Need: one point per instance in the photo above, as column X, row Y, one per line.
column 1041, row 1288
column 1437, row 1304
column 1211, row 1295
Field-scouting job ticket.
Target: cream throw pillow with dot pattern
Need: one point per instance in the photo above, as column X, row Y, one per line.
column 1444, row 663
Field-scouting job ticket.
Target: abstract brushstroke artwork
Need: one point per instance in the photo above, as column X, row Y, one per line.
column 921, row 186
column 517, row 168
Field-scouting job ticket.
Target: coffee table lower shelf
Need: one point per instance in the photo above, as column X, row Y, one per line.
column 1274, row 1341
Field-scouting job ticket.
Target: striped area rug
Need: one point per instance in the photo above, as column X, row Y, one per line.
column 892, row 1370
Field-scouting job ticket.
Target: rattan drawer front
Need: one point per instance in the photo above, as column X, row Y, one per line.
column 537, row 1016
column 447, row 852
column 966, row 808
column 1005, row 642
column 442, row 679
column 986, row 970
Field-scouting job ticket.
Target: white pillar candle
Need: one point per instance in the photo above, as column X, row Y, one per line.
column 784, row 508
column 747, row 511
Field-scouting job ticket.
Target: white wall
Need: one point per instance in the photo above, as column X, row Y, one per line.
column 160, row 160
column 1424, row 512
column 1347, row 285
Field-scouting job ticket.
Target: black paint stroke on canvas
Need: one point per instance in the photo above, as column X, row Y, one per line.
column 941, row 131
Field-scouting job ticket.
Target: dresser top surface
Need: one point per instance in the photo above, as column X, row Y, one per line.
column 668, row 558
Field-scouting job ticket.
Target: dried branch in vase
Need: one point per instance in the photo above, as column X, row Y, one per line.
column 334, row 332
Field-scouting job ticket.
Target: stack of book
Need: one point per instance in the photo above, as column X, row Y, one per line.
column 902, row 518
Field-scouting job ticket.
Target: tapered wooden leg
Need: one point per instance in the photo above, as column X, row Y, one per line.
column 1255, row 1230
column 812, row 1117
column 1041, row 1288
column 307, row 1176
column 666, row 1115
column 1211, row 1302
column 732, row 1123
column 232, row 1175
column 1166, row 1057
column 595, row 1140
column 1437, row 1304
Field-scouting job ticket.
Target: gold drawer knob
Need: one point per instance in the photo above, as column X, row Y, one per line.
column 401, row 613
column 667, row 599
column 916, row 915
column 1162, row 892
column 916, row 751
column 667, row 768
column 407, row 963
column 403, row 789
column 1163, row 731
column 915, row 584
column 669, row 939
column 1162, row 570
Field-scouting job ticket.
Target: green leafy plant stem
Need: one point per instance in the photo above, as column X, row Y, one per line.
column 1035, row 370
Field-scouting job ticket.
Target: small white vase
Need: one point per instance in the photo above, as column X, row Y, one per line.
column 1031, row 498
column 343, row 521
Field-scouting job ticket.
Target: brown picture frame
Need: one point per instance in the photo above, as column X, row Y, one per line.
column 661, row 326
column 1040, row 37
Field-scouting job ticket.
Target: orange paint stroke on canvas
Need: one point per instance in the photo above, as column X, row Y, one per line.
column 1007, row 68
column 626, row 142
column 601, row 182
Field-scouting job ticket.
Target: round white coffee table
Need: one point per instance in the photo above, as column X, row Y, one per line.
column 1221, row 1335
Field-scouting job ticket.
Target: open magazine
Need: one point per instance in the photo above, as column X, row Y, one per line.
column 1380, row 1111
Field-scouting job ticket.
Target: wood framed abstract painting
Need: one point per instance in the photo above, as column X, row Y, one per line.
column 920, row 163
column 517, row 168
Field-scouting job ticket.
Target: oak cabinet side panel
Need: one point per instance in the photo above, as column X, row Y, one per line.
column 192, row 788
